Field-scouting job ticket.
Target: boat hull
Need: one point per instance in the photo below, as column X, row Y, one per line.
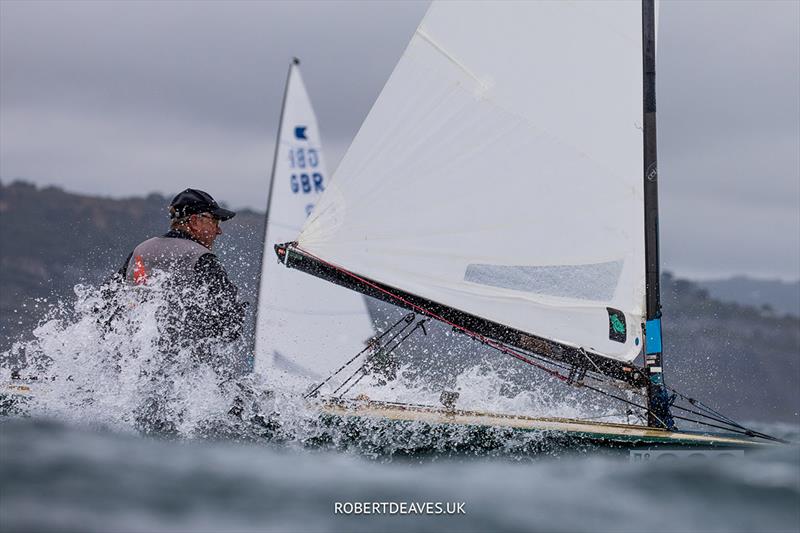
column 406, row 429
column 486, row 431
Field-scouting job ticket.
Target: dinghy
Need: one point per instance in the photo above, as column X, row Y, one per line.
column 505, row 183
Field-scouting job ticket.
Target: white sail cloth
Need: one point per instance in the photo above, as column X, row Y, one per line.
column 306, row 327
column 500, row 171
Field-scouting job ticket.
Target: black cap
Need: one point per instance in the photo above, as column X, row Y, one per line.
column 194, row 202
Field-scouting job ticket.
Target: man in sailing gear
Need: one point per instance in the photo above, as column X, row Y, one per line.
column 202, row 299
column 197, row 308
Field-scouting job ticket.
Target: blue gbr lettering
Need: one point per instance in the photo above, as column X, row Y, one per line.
column 306, row 184
column 300, row 182
column 303, row 158
column 318, row 179
column 313, row 158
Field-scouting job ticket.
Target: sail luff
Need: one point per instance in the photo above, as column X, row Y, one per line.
column 265, row 253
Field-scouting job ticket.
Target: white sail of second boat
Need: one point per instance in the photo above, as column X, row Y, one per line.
column 499, row 173
column 305, row 326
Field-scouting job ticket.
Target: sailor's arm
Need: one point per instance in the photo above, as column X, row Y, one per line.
column 120, row 274
column 108, row 309
column 227, row 311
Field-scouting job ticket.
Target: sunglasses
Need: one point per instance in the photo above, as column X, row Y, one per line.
column 211, row 217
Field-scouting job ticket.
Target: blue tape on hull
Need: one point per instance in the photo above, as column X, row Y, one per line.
column 653, row 329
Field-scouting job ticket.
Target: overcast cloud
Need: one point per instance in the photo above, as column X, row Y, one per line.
column 124, row 98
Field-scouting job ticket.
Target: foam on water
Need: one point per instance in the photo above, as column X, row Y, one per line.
column 99, row 367
column 93, row 366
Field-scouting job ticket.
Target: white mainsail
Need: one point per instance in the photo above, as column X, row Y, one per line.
column 305, row 326
column 500, row 172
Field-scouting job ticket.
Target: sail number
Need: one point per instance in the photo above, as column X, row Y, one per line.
column 303, row 158
column 305, row 182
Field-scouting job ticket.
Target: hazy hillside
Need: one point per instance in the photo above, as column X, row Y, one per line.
column 782, row 296
column 745, row 358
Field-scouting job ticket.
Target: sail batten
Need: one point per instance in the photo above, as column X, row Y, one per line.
column 499, row 173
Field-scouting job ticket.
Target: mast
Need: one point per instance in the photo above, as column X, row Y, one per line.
column 264, row 252
column 658, row 399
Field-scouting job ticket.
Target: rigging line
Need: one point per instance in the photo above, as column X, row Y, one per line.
column 702, row 405
column 372, row 345
column 345, row 382
column 401, row 341
column 348, row 389
column 719, row 417
column 583, row 352
column 765, row 437
column 712, row 411
column 367, row 361
column 748, row 431
column 744, row 430
column 351, row 376
column 722, row 418
column 606, row 393
column 364, row 364
column 602, row 379
column 625, row 400
column 315, row 389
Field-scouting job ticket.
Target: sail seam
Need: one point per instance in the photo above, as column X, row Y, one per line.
column 439, row 48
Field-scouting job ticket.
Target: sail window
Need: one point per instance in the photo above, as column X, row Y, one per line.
column 596, row 281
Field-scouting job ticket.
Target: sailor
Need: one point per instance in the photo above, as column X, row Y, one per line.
column 198, row 311
column 203, row 303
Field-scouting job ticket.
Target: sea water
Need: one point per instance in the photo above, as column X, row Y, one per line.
column 56, row 476
column 77, row 454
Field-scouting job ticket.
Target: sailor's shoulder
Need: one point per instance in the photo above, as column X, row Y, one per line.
column 151, row 240
column 170, row 247
column 146, row 244
column 209, row 262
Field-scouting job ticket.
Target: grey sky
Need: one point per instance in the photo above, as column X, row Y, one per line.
column 124, row 98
